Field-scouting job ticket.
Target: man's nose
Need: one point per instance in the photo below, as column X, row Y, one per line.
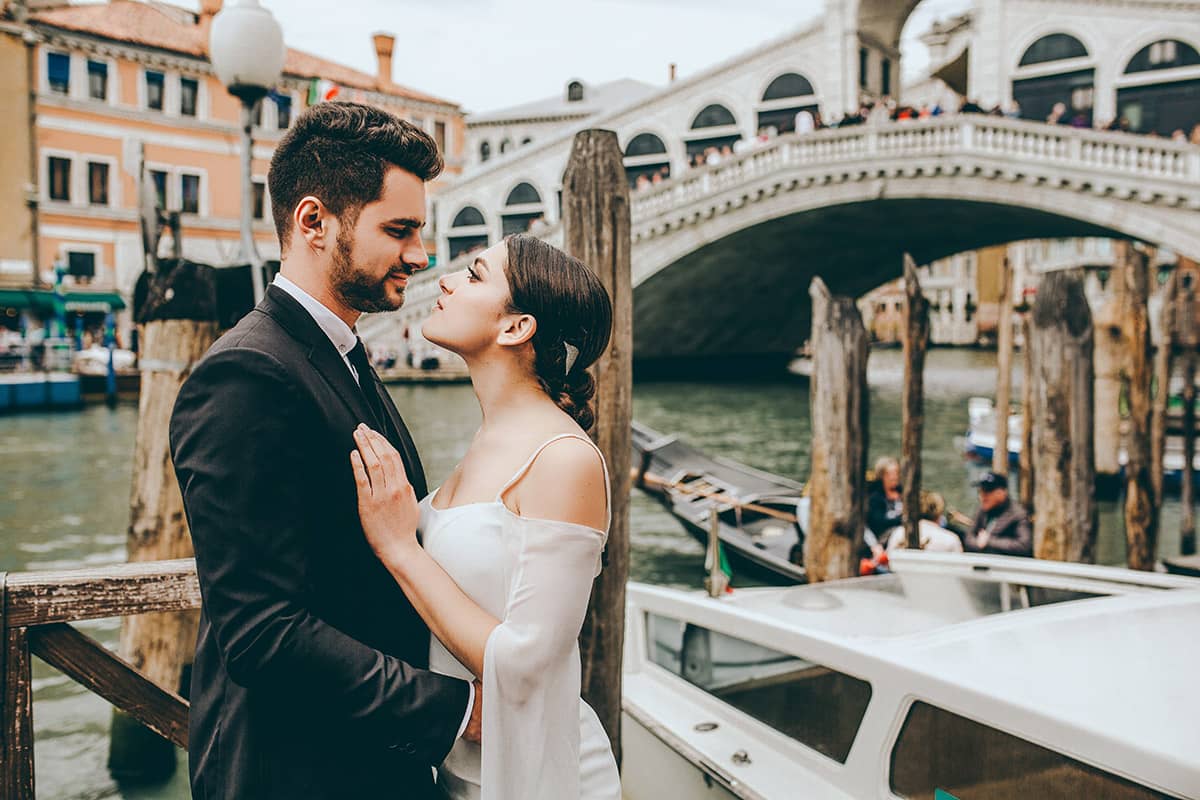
column 415, row 256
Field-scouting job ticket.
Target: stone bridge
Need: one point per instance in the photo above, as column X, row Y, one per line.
column 723, row 255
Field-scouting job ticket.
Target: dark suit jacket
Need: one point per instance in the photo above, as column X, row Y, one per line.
column 309, row 677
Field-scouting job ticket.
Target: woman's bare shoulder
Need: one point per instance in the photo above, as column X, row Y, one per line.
column 566, row 482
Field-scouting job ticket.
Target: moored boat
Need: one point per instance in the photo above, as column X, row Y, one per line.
column 968, row 676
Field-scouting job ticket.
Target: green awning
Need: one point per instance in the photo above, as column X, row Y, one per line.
column 14, row 298
column 94, row 301
column 101, row 302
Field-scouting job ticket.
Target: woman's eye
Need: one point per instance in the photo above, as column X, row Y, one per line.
column 471, row 274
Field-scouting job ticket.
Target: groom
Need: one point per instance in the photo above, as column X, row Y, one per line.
column 310, row 676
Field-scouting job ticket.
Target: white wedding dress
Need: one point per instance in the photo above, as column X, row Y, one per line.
column 540, row 740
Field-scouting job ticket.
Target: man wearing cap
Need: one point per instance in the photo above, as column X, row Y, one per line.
column 1001, row 526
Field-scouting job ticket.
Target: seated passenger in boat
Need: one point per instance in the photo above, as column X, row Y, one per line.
column 1001, row 526
column 931, row 528
column 885, row 510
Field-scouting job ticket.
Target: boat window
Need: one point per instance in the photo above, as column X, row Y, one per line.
column 817, row 706
column 939, row 753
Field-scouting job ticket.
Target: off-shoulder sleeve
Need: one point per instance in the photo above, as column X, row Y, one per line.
column 531, row 706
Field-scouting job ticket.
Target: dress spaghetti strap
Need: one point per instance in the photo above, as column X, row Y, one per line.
column 520, row 473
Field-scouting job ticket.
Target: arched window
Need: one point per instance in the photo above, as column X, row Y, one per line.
column 789, row 84
column 485, row 151
column 1055, row 47
column 645, row 144
column 522, row 194
column 468, row 217
column 1165, row 54
column 713, row 116
column 574, row 91
column 505, row 144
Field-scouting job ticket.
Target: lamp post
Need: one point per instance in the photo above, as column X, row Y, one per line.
column 247, row 52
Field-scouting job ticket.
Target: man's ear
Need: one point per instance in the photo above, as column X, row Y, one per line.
column 516, row 330
column 313, row 222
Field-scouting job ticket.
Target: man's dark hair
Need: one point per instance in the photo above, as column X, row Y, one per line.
column 339, row 152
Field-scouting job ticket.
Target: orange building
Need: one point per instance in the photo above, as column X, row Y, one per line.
column 123, row 83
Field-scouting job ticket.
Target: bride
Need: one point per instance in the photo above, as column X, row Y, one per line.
column 510, row 543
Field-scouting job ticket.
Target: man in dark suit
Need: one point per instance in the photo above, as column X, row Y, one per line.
column 309, row 679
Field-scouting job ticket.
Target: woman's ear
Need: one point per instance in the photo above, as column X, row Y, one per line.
column 516, row 330
column 312, row 221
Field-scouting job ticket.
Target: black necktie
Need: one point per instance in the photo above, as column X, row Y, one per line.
column 366, row 379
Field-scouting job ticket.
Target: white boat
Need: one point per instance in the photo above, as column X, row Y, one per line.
column 960, row 676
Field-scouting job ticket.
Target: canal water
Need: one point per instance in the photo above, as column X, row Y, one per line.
column 67, row 475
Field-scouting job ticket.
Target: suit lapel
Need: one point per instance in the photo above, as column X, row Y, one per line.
column 324, row 357
column 330, row 365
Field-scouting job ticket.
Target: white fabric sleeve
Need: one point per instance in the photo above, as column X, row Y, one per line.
column 470, row 707
column 531, row 669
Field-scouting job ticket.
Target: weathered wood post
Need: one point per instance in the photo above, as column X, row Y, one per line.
column 1164, row 359
column 178, row 326
column 1026, row 476
column 1064, row 493
column 838, row 402
column 16, row 707
column 916, row 339
column 1188, row 342
column 597, row 230
column 1004, row 353
column 1111, row 354
column 1141, row 512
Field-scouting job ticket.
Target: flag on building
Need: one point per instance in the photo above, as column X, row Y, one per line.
column 321, row 90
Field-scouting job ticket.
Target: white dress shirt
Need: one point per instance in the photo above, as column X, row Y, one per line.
column 344, row 339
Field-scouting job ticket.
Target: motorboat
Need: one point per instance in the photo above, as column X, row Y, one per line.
column 955, row 676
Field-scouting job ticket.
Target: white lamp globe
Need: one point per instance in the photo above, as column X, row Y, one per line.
column 246, row 48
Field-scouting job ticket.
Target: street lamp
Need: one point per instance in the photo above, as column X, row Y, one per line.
column 247, row 52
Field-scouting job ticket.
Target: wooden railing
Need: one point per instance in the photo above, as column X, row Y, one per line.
column 36, row 609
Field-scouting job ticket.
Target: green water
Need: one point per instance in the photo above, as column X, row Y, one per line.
column 66, row 488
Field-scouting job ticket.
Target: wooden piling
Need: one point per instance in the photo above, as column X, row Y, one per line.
column 1026, row 476
column 1064, row 492
column 1188, row 343
column 1111, row 355
column 838, row 392
column 1164, row 361
column 916, row 339
column 596, row 229
column 1141, row 512
column 1004, row 352
column 178, row 327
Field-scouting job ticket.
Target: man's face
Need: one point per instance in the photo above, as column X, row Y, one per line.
column 989, row 499
column 374, row 258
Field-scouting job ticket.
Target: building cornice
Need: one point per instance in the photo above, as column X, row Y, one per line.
column 530, row 120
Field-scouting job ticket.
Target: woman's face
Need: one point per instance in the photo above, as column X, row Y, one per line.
column 472, row 311
column 891, row 478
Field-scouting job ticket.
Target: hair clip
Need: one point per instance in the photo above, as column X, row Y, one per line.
column 572, row 354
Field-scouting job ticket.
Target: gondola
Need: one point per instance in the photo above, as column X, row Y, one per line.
column 760, row 514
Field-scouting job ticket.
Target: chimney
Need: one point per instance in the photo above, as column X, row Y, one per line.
column 671, row 72
column 208, row 10
column 384, row 42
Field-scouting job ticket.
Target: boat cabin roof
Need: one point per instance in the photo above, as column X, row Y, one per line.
column 1097, row 657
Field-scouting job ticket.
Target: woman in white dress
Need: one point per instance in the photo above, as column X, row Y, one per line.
column 513, row 538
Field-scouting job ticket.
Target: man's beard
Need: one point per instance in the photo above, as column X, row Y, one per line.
column 356, row 288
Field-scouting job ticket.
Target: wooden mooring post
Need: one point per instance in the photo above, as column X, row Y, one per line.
column 1026, row 475
column 1004, row 354
column 1187, row 333
column 838, row 392
column 1141, row 510
column 1064, row 491
column 916, row 340
column 1111, row 356
column 596, row 225
column 1164, row 361
column 36, row 609
column 178, row 323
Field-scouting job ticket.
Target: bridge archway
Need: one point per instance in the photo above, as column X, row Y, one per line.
column 522, row 205
column 714, row 125
column 745, row 270
column 468, row 231
column 785, row 96
column 1151, row 101
column 1056, row 67
column 646, row 155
